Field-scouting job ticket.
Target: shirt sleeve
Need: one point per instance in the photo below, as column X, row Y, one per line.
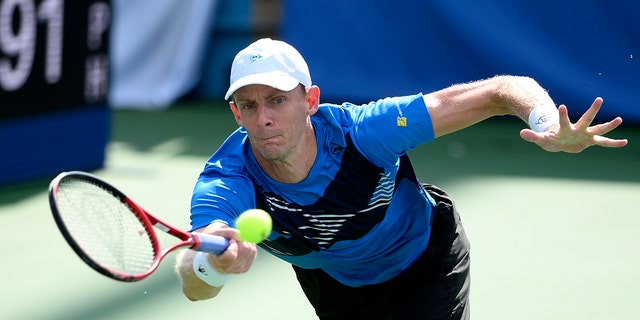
column 222, row 190
column 220, row 198
column 386, row 129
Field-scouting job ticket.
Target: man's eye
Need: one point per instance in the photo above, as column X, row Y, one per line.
column 279, row 100
column 247, row 106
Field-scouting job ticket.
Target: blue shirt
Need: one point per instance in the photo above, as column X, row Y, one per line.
column 361, row 214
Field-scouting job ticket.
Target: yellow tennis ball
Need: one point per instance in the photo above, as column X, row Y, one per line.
column 254, row 225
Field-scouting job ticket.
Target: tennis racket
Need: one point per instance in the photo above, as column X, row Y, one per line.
column 113, row 234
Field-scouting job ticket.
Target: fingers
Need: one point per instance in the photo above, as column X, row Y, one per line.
column 609, row 143
column 563, row 115
column 540, row 140
column 529, row 135
column 227, row 232
column 238, row 257
column 604, row 128
column 247, row 253
column 587, row 118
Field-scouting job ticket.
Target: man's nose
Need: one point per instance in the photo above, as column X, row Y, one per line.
column 264, row 115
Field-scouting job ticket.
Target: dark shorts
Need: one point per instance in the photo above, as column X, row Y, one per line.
column 436, row 286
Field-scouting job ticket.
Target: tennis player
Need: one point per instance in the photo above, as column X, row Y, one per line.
column 366, row 238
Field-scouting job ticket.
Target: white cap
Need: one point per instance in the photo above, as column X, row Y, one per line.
column 269, row 62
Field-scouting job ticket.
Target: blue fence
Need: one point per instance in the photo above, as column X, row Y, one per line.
column 360, row 50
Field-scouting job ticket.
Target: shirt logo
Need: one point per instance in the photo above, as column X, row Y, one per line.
column 401, row 120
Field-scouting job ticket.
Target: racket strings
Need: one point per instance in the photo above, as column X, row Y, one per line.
column 105, row 228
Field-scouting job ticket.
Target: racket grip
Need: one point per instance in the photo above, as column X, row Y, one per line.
column 210, row 243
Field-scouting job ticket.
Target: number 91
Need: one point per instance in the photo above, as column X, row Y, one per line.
column 18, row 40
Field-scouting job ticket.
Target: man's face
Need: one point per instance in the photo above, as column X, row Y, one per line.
column 276, row 121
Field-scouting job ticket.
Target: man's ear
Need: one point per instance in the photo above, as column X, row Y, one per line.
column 313, row 98
column 236, row 113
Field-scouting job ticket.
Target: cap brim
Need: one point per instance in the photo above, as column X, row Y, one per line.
column 276, row 80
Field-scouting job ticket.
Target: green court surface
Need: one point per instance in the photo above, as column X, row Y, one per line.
column 554, row 236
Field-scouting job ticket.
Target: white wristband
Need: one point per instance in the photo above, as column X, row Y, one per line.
column 206, row 272
column 542, row 117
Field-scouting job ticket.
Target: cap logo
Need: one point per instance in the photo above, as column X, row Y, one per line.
column 255, row 57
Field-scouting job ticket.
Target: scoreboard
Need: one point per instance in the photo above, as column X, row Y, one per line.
column 53, row 54
column 54, row 81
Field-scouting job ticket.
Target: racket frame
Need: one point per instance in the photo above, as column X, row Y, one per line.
column 149, row 222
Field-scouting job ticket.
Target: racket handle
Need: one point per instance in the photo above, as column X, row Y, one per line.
column 210, row 243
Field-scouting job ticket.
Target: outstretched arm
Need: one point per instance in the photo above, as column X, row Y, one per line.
column 460, row 106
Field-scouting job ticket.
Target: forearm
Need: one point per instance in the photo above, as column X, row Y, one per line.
column 193, row 287
column 463, row 105
column 521, row 95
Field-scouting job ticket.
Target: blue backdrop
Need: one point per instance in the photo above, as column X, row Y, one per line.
column 360, row 50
